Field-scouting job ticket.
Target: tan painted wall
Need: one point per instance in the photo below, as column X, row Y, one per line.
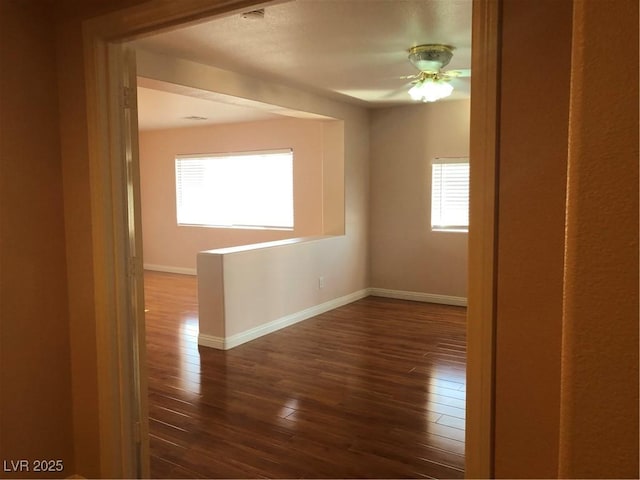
column 35, row 374
column 166, row 243
column 405, row 253
column 599, row 435
column 532, row 180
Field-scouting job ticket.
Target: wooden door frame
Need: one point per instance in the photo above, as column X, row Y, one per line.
column 483, row 240
column 116, row 380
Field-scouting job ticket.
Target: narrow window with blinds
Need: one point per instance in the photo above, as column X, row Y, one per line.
column 243, row 189
column 450, row 194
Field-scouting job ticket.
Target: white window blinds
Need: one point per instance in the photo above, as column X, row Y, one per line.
column 450, row 194
column 245, row 189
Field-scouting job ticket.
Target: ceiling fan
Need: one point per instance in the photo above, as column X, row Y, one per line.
column 432, row 83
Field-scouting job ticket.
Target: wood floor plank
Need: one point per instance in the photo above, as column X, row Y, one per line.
column 374, row 389
column 451, row 422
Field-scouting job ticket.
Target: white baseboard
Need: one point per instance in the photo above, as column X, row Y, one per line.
column 418, row 296
column 169, row 269
column 261, row 330
column 211, row 341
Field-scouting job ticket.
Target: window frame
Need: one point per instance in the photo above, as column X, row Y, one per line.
column 454, row 228
column 227, row 155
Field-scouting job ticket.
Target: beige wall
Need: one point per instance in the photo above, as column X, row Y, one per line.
column 348, row 138
column 599, row 429
column 405, row 253
column 247, row 292
column 35, row 373
column 263, row 285
column 532, row 180
column 169, row 245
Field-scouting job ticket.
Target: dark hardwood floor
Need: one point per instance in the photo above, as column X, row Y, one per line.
column 374, row 389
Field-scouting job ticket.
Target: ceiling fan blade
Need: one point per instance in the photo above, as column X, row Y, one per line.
column 461, row 85
column 400, row 90
column 401, row 77
column 460, row 73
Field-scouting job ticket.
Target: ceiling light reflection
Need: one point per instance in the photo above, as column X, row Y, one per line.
column 189, row 371
column 289, row 407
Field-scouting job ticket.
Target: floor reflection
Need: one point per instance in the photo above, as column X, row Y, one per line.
column 374, row 389
column 188, row 348
column 446, row 385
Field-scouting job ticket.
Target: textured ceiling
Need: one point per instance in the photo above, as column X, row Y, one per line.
column 355, row 50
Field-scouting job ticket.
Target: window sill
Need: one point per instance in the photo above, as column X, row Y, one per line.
column 451, row 230
column 237, row 227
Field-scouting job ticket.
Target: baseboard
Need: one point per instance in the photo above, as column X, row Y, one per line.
column 270, row 327
column 169, row 269
column 418, row 296
column 211, row 341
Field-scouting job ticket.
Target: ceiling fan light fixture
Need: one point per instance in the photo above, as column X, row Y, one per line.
column 430, row 57
column 430, row 90
column 416, row 92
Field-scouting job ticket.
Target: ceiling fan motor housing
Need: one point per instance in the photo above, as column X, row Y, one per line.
column 430, row 57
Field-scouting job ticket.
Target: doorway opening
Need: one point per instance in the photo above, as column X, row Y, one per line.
column 159, row 19
column 427, row 131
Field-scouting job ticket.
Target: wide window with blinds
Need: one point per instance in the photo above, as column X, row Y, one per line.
column 450, row 194
column 242, row 189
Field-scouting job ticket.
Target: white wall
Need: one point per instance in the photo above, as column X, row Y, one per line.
column 405, row 254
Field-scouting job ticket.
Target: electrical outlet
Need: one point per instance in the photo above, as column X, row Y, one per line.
column 320, row 282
